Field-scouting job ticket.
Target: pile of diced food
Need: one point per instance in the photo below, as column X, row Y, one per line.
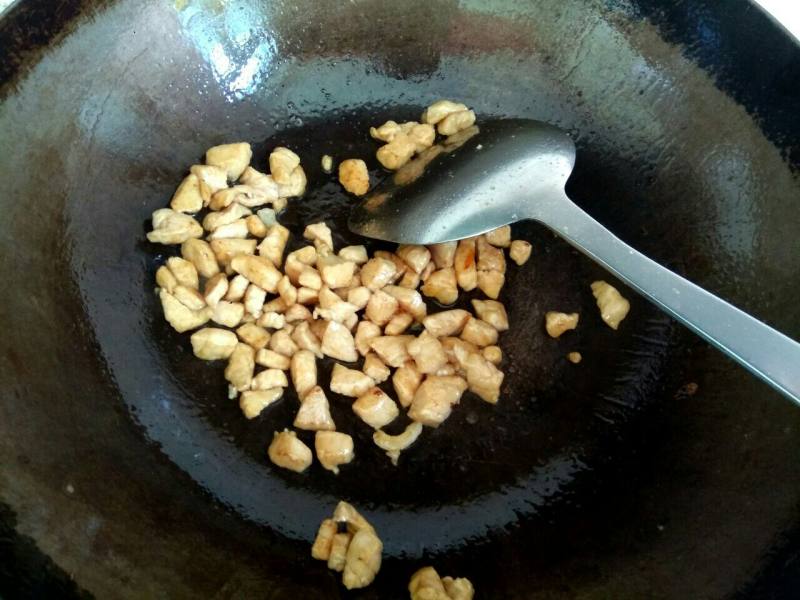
column 384, row 317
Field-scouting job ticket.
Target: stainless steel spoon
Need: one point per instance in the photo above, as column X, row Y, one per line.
column 509, row 171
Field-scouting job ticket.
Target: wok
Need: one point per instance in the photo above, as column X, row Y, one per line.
column 656, row 468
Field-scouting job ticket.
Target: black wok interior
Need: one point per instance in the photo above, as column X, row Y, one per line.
column 126, row 472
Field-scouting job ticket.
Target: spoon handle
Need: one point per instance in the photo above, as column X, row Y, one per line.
column 765, row 352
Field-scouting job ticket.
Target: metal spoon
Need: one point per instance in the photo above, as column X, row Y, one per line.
column 513, row 170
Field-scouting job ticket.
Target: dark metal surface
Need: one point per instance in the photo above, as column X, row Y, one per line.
column 126, row 473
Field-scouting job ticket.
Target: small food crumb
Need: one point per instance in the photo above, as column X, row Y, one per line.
column 613, row 307
column 426, row 584
column 520, row 251
column 574, row 357
column 327, row 163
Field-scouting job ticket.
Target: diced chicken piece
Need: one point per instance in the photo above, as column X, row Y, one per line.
column 319, row 232
column 399, row 264
column 272, row 360
column 215, row 289
column 253, row 335
column 253, row 402
column 210, row 180
column 305, row 338
column 464, row 264
column 381, row 307
column 273, row 245
column 335, row 271
column 363, row 560
column 338, row 343
column 228, row 314
column 459, row 588
column 282, row 162
column 353, row 176
column 410, row 300
column 304, row 372
column 233, row 158
column 171, row 227
column 295, row 187
column 333, row 449
column 410, row 279
column 489, row 257
column 350, row 382
column 574, row 357
column 442, row 285
column 447, row 370
column 455, row 122
column 310, row 278
column 377, row 273
column 365, row 333
column 307, row 295
column 395, row 444
column 233, row 212
column 493, row 354
column 479, row 332
column 289, row 452
column 385, row 132
column 271, row 320
column 613, row 307
column 318, row 327
column 356, row 254
column 483, row 378
column 237, row 288
column 166, row 280
column 440, row 109
column 184, row 272
column 557, row 323
column 262, row 182
column 226, row 250
column 422, row 134
column 520, row 251
column 241, row 363
column 392, row 349
column 276, row 305
column 426, row 584
column 282, row 343
column 338, row 555
column 434, row 400
column 245, row 195
column 491, row 282
column 211, row 343
column 200, row 254
column 254, row 300
column 397, row 152
column 287, row 291
column 427, row 352
column 376, row 408
column 375, row 369
column 446, row 323
column 500, row 237
column 332, row 307
column 493, row 312
column 314, row 413
column 321, row 549
column 443, row 254
column 257, row 270
column 296, row 313
column 256, row 227
column 406, row 380
column 189, row 297
column 346, row 513
column 237, row 229
column 416, row 257
column 398, row 323
column 359, row 296
column 271, row 378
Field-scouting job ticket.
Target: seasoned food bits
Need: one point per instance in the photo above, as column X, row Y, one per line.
column 353, row 176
